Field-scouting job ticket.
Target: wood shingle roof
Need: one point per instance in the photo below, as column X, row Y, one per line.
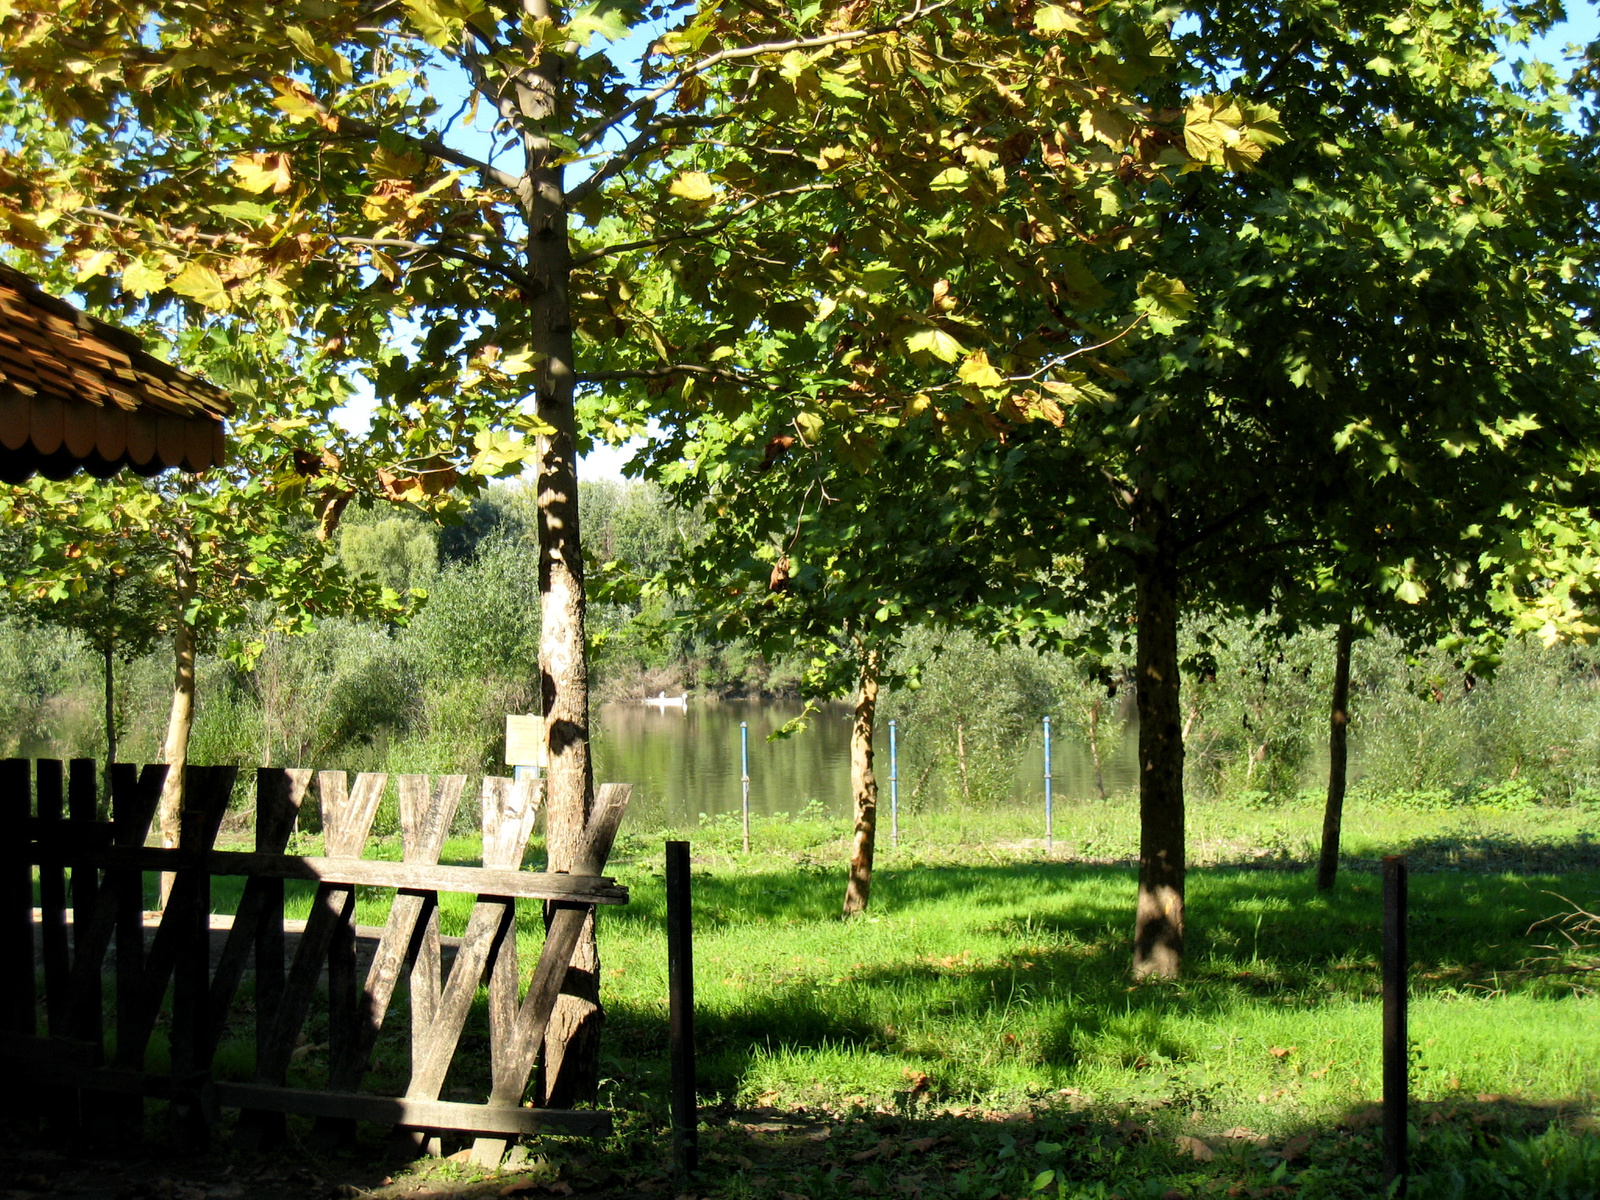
column 77, row 393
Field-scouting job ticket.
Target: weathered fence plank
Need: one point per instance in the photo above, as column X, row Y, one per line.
column 16, row 893
column 50, row 798
column 110, row 908
column 346, row 819
column 521, row 1042
column 352, row 872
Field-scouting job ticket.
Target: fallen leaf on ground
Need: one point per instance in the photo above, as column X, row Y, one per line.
column 1296, row 1146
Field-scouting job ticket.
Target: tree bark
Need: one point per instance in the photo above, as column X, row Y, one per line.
column 180, row 721
column 864, row 787
column 570, row 1071
column 1338, row 758
column 1158, row 919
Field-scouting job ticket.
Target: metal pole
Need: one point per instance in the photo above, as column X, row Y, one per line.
column 680, row 1008
column 744, row 778
column 1395, row 1082
column 894, row 789
column 1049, row 815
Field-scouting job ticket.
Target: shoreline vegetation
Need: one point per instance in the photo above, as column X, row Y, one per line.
column 431, row 695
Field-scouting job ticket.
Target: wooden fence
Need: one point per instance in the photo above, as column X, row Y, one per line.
column 96, row 870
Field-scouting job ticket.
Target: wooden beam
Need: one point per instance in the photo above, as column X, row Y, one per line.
column 356, row 872
column 416, row 1114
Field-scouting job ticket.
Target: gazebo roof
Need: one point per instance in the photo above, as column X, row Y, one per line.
column 77, row 393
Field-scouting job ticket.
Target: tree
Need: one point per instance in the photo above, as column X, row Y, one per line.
column 833, row 402
column 118, row 612
column 291, row 161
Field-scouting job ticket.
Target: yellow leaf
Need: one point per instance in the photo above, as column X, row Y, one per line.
column 300, row 103
column 92, row 262
column 203, row 284
column 1222, row 131
column 977, row 371
column 1106, row 125
column 1054, row 20
column 140, row 279
column 935, row 342
column 386, row 164
column 262, row 172
column 693, row 186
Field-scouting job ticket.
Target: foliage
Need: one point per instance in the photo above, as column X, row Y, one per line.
column 968, row 708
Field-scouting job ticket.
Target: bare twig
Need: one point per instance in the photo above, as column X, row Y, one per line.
column 1059, row 359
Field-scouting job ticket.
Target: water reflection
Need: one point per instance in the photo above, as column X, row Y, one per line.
column 685, row 761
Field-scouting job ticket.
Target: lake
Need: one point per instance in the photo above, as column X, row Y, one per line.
column 685, row 761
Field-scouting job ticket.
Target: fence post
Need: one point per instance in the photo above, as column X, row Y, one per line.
column 1395, row 1082
column 744, row 779
column 680, row 1007
column 894, row 789
column 1049, row 814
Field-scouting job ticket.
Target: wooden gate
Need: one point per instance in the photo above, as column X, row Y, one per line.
column 96, row 871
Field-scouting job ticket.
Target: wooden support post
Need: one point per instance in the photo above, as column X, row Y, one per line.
column 1395, row 1082
column 680, row 991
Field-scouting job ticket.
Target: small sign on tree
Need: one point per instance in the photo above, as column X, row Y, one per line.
column 525, row 741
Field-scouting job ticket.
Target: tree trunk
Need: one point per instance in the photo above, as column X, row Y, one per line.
column 1094, row 749
column 110, row 655
column 1158, row 920
column 864, row 787
column 1338, row 758
column 571, row 1068
column 181, row 719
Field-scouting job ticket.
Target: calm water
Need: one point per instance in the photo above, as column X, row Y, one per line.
column 684, row 762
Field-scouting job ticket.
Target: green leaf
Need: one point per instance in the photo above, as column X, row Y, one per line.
column 1165, row 301
column 951, row 179
column 693, row 186
column 246, row 210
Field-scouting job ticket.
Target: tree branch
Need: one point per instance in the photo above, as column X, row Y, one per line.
column 667, row 372
column 598, row 130
column 1058, row 360
column 444, row 250
column 623, row 158
column 435, row 147
column 703, row 231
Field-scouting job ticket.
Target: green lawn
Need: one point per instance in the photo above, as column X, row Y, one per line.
column 987, row 980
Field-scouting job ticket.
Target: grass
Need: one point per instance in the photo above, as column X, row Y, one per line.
column 984, row 1003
